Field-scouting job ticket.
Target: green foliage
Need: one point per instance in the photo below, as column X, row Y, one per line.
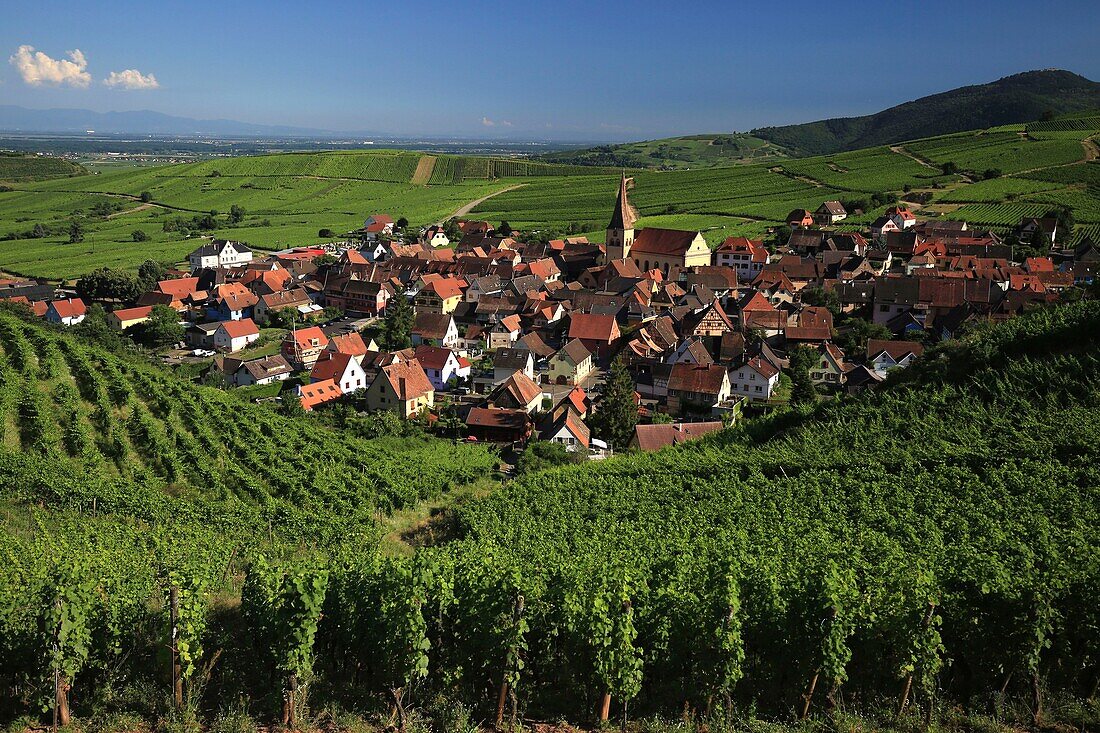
column 109, row 284
column 162, row 329
column 802, row 359
column 65, row 623
column 617, row 411
column 398, row 324
column 540, row 455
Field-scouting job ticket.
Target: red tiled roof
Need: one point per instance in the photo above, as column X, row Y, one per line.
column 897, row 350
column 764, row 368
column 243, row 327
column 433, row 357
column 697, row 378
column 305, row 336
column 318, row 393
column 408, row 379
column 132, row 314
column 180, row 287
column 69, row 308
column 655, row 437
column 330, row 366
column 593, row 327
column 662, row 242
column 349, row 343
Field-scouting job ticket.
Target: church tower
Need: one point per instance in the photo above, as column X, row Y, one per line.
column 620, row 232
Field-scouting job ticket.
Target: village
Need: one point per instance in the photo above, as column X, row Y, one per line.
column 518, row 339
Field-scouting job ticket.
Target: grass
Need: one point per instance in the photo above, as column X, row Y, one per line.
column 288, row 198
column 19, row 167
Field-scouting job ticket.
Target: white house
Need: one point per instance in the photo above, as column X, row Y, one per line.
column 220, row 253
column 887, row 355
column 745, row 255
column 435, row 237
column 443, row 366
column 233, row 336
column 755, row 379
column 67, row 312
column 342, row 369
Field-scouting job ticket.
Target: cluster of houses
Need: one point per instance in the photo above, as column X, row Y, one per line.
column 518, row 336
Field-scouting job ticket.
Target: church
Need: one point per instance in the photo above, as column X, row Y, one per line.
column 667, row 250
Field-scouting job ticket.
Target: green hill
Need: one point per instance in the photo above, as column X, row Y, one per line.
column 1014, row 99
column 20, row 167
column 116, row 420
column 675, row 153
column 944, row 530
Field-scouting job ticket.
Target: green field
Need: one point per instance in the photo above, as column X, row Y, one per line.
column 19, row 167
column 677, row 153
column 288, row 198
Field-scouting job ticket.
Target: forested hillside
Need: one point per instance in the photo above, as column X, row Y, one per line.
column 936, row 543
column 1031, row 95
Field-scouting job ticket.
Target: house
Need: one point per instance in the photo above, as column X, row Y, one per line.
column 800, row 219
column 445, row 368
column 881, row 228
column 441, row 295
column 201, row 335
column 746, row 256
column 125, row 318
column 755, row 379
column 301, row 347
column 295, row 298
column 505, row 332
column 402, row 387
column 902, row 216
column 599, row 333
column 830, row 212
column 651, row 248
column 231, row 302
column 1046, row 228
column 353, row 295
column 434, row 236
column 497, row 425
column 265, row 370
column 571, row 364
column 655, row 437
column 693, row 387
column 886, row 355
column 517, row 392
column 67, row 312
column 220, row 253
column 179, row 290
column 507, row 362
column 435, row 329
column 233, row 336
column 831, row 368
column 316, row 394
column 567, row 429
column 348, row 343
column 343, row 369
column 376, row 226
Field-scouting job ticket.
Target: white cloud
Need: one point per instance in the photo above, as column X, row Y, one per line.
column 131, row 79
column 505, row 123
column 37, row 68
column 487, row 122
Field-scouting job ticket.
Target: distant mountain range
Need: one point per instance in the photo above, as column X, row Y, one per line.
column 1019, row 98
column 140, row 122
column 1024, row 97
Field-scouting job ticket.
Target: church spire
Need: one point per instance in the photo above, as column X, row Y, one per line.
column 624, row 215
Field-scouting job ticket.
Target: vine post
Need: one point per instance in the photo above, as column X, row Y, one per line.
column 174, row 620
column 511, row 668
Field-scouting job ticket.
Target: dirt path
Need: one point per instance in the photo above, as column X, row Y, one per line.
column 1092, row 152
column 424, row 168
column 464, row 210
column 136, row 209
column 902, row 151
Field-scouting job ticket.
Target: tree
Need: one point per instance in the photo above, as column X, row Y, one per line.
column 76, row 232
column 853, row 339
column 397, row 328
column 139, row 236
column 949, row 168
column 291, row 406
column 991, row 173
column 162, row 329
column 108, row 284
column 1064, row 216
column 150, row 273
column 236, row 214
column 401, row 223
column 326, row 234
column 146, row 197
column 803, row 392
column 505, row 229
column 39, row 231
column 819, row 296
column 541, row 455
column 618, row 412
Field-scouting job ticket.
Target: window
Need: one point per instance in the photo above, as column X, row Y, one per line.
column 884, row 308
column 759, row 388
column 752, row 376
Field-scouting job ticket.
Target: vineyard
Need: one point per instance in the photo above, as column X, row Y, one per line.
column 18, row 167
column 919, row 551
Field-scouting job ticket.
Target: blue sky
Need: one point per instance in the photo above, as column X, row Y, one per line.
column 588, row 70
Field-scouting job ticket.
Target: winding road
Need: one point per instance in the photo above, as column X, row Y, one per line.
column 467, row 208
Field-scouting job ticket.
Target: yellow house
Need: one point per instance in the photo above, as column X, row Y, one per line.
column 439, row 296
column 571, row 364
column 122, row 319
column 403, row 388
